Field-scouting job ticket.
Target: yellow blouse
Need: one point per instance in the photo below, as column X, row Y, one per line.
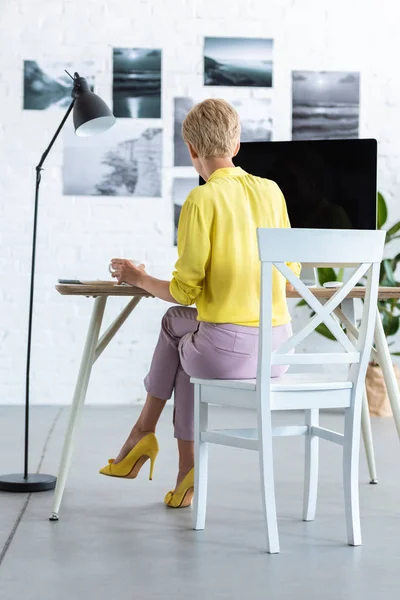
column 218, row 268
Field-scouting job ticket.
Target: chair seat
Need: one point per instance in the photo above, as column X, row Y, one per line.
column 287, row 383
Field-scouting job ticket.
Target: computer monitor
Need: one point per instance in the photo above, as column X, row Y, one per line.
column 327, row 184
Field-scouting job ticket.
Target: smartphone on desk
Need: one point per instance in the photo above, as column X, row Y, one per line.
column 87, row 282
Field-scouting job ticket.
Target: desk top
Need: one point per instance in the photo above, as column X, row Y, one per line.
column 358, row 292
column 112, row 289
column 100, row 289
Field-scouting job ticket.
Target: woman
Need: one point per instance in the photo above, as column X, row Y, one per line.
column 218, row 271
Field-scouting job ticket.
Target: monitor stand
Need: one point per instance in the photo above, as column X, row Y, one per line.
column 309, row 277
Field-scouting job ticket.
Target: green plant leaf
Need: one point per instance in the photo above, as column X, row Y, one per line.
column 390, row 239
column 326, row 274
column 395, row 353
column 386, row 282
column 323, row 330
column 385, row 312
column 382, row 211
column 387, row 265
column 302, row 303
column 382, row 274
column 391, row 325
column 395, row 262
column 394, row 229
column 340, row 274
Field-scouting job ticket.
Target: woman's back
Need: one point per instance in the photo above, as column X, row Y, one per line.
column 219, row 268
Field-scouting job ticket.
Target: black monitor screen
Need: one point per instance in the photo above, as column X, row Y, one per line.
column 326, row 183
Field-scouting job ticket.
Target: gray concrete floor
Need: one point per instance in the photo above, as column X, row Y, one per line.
column 115, row 539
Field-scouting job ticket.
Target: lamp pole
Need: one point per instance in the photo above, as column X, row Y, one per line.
column 90, row 109
column 50, row 483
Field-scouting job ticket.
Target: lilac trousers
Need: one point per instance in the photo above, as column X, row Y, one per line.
column 189, row 348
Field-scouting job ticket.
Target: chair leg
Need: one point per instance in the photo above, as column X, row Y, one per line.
column 200, row 461
column 351, row 454
column 311, row 467
column 367, row 437
column 365, row 418
column 267, row 479
column 78, row 402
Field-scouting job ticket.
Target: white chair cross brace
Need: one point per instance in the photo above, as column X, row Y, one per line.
column 306, row 391
column 323, row 314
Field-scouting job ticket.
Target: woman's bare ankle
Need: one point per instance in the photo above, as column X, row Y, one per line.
column 134, row 438
column 182, row 474
column 139, row 432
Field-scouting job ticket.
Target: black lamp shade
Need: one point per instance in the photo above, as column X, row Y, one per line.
column 91, row 114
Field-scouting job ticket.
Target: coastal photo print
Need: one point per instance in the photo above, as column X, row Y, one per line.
column 123, row 161
column 137, row 83
column 326, row 105
column 181, row 190
column 181, row 154
column 47, row 85
column 238, row 61
column 255, row 120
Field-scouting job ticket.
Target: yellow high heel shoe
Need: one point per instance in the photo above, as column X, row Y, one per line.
column 130, row 466
column 182, row 496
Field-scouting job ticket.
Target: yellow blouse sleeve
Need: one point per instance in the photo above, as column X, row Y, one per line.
column 193, row 252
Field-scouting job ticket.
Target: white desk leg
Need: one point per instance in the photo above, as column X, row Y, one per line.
column 78, row 401
column 349, row 310
column 385, row 362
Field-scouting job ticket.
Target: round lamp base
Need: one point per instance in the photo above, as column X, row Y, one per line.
column 36, row 482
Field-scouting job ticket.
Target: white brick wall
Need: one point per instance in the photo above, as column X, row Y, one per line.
column 77, row 236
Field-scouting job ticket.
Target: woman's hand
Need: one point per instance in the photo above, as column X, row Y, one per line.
column 126, row 272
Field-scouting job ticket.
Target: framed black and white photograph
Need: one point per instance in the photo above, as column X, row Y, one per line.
column 137, row 83
column 255, row 120
column 47, row 85
column 235, row 61
column 181, row 189
column 326, row 105
column 123, row 161
column 181, row 154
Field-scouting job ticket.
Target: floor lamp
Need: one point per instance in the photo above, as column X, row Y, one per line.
column 91, row 116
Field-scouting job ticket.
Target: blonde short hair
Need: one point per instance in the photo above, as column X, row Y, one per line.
column 212, row 128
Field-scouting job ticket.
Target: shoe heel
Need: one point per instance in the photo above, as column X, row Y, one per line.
column 152, row 461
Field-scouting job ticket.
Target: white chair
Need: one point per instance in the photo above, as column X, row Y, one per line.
column 361, row 250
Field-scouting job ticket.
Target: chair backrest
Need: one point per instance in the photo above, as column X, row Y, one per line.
column 359, row 250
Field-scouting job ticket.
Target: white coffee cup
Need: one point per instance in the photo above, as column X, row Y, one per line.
column 136, row 263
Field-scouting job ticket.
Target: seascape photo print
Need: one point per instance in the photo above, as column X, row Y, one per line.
column 182, row 188
column 326, row 105
column 47, row 85
column 181, row 154
column 255, row 120
column 137, row 83
column 238, row 61
column 123, row 161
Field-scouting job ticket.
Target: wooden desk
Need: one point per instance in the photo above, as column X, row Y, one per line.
column 101, row 289
column 385, row 293
column 95, row 345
